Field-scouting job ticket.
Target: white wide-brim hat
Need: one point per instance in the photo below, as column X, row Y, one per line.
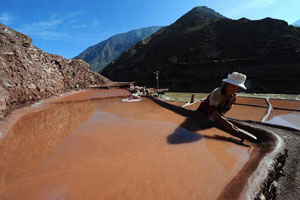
column 236, row 79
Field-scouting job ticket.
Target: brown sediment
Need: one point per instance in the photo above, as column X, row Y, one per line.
column 90, row 94
column 284, row 113
column 252, row 101
column 240, row 112
column 118, row 150
column 246, row 101
column 285, row 104
column 243, row 112
column 246, row 112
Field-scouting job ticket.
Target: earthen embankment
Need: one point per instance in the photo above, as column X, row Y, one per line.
column 28, row 74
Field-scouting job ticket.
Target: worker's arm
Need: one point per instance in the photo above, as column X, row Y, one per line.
column 221, row 119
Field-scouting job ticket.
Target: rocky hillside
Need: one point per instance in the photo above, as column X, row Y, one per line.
column 27, row 74
column 202, row 47
column 101, row 54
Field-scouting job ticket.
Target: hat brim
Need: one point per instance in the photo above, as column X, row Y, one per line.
column 241, row 85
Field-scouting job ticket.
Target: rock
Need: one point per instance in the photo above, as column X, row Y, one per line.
column 28, row 74
column 261, row 197
column 273, row 186
column 7, row 85
column 31, row 86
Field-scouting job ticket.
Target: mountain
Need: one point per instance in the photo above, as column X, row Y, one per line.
column 28, row 74
column 101, row 54
column 296, row 23
column 196, row 18
column 200, row 49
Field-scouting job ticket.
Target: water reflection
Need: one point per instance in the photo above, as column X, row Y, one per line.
column 36, row 135
column 291, row 120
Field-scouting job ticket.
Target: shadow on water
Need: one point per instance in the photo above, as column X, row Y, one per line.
column 195, row 121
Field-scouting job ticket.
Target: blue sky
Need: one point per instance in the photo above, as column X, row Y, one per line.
column 67, row 28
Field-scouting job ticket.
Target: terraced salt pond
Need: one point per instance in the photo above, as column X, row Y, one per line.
column 276, row 109
column 185, row 97
column 91, row 145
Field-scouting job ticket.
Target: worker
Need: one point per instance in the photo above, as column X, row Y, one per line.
column 221, row 99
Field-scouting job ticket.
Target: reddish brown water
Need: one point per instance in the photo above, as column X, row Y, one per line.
column 247, row 112
column 289, row 104
column 278, row 115
column 109, row 149
column 244, row 112
column 252, row 101
column 90, row 94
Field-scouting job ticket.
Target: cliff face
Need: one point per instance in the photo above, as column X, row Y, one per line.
column 197, row 56
column 27, row 74
column 101, row 54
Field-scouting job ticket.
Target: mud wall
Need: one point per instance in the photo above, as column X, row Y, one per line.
column 28, row 74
